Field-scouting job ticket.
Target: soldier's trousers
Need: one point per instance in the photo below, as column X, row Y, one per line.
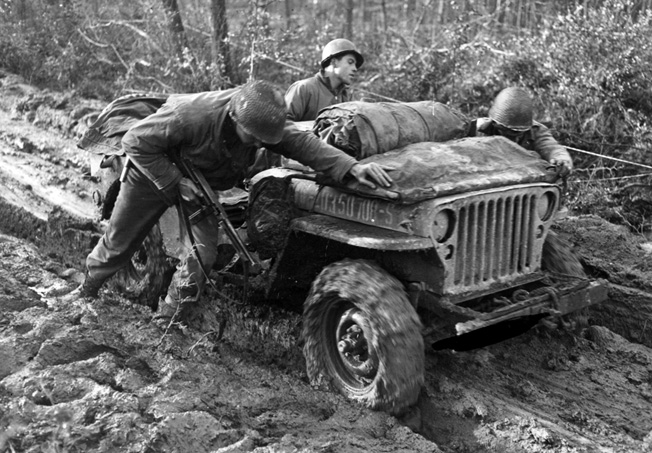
column 138, row 208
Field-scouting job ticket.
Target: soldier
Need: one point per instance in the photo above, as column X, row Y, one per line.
column 340, row 62
column 511, row 116
column 219, row 132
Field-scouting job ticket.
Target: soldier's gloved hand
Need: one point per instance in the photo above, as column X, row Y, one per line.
column 376, row 172
column 188, row 191
column 564, row 166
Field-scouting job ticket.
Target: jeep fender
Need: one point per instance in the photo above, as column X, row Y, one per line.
column 359, row 235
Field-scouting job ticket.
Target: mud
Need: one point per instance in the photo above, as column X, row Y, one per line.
column 100, row 377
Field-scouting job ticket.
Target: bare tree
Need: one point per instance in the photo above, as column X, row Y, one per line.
column 288, row 14
column 409, row 8
column 175, row 26
column 220, row 41
column 383, row 7
column 348, row 32
column 441, row 7
column 365, row 14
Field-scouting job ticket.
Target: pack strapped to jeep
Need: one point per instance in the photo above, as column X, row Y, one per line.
column 362, row 129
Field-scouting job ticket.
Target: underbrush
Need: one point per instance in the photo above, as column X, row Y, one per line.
column 589, row 70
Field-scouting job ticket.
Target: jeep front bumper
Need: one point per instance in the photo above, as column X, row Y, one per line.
column 448, row 320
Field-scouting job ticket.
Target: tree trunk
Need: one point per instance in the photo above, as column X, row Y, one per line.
column 365, row 14
column 175, row 26
column 439, row 17
column 384, row 12
column 533, row 15
column 288, row 14
column 348, row 32
column 518, row 15
column 220, row 43
column 409, row 8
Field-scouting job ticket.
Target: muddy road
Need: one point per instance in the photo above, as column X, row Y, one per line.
column 100, row 378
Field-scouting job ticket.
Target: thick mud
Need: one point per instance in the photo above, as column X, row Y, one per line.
column 100, row 377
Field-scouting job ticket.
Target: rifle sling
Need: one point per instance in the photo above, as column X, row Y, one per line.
column 188, row 224
column 194, row 219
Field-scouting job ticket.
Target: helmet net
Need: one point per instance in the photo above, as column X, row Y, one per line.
column 512, row 108
column 259, row 108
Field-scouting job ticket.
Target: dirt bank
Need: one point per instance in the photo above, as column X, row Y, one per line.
column 100, row 377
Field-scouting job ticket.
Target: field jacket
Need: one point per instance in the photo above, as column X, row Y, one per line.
column 307, row 97
column 191, row 125
column 538, row 138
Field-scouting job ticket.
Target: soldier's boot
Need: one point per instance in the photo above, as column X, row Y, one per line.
column 169, row 313
column 88, row 290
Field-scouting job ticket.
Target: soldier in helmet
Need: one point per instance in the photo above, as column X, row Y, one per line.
column 219, row 132
column 511, row 116
column 340, row 62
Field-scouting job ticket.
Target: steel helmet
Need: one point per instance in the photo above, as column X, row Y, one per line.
column 259, row 108
column 512, row 108
column 337, row 48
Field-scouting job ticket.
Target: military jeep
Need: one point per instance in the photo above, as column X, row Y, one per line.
column 453, row 249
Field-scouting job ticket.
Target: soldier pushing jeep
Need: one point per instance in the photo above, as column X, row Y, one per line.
column 219, row 133
column 511, row 117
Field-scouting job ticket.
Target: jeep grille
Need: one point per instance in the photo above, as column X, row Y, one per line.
column 498, row 238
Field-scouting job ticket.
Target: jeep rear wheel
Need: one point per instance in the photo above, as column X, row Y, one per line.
column 363, row 336
column 148, row 275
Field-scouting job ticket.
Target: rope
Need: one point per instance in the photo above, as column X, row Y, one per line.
column 619, row 178
column 610, row 158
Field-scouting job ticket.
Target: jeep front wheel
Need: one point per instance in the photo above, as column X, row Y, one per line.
column 362, row 335
column 558, row 257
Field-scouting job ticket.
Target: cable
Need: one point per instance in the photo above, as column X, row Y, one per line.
column 610, row 158
column 613, row 179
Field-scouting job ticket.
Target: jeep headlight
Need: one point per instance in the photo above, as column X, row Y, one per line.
column 545, row 205
column 443, row 225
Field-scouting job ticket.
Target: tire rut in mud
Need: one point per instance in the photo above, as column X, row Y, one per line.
column 590, row 396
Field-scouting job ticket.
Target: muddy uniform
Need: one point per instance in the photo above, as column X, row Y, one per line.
column 304, row 99
column 307, row 97
column 198, row 127
column 538, row 138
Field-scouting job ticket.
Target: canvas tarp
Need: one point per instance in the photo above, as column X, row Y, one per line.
column 362, row 129
column 427, row 170
column 104, row 136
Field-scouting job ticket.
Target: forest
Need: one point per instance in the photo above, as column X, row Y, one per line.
column 588, row 63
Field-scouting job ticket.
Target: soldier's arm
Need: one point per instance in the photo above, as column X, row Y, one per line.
column 550, row 149
column 295, row 99
column 306, row 148
column 148, row 144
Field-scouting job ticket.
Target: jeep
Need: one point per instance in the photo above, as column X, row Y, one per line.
column 453, row 254
column 453, row 250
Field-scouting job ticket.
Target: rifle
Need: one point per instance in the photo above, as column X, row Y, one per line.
column 213, row 205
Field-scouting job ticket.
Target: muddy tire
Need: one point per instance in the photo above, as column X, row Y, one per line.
column 363, row 337
column 149, row 273
column 269, row 216
column 558, row 257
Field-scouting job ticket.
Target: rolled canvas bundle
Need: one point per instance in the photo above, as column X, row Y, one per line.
column 104, row 136
column 362, row 129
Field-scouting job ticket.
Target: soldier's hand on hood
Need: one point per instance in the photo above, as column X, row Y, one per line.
column 371, row 173
column 563, row 165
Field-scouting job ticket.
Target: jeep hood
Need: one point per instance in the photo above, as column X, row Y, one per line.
column 423, row 171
